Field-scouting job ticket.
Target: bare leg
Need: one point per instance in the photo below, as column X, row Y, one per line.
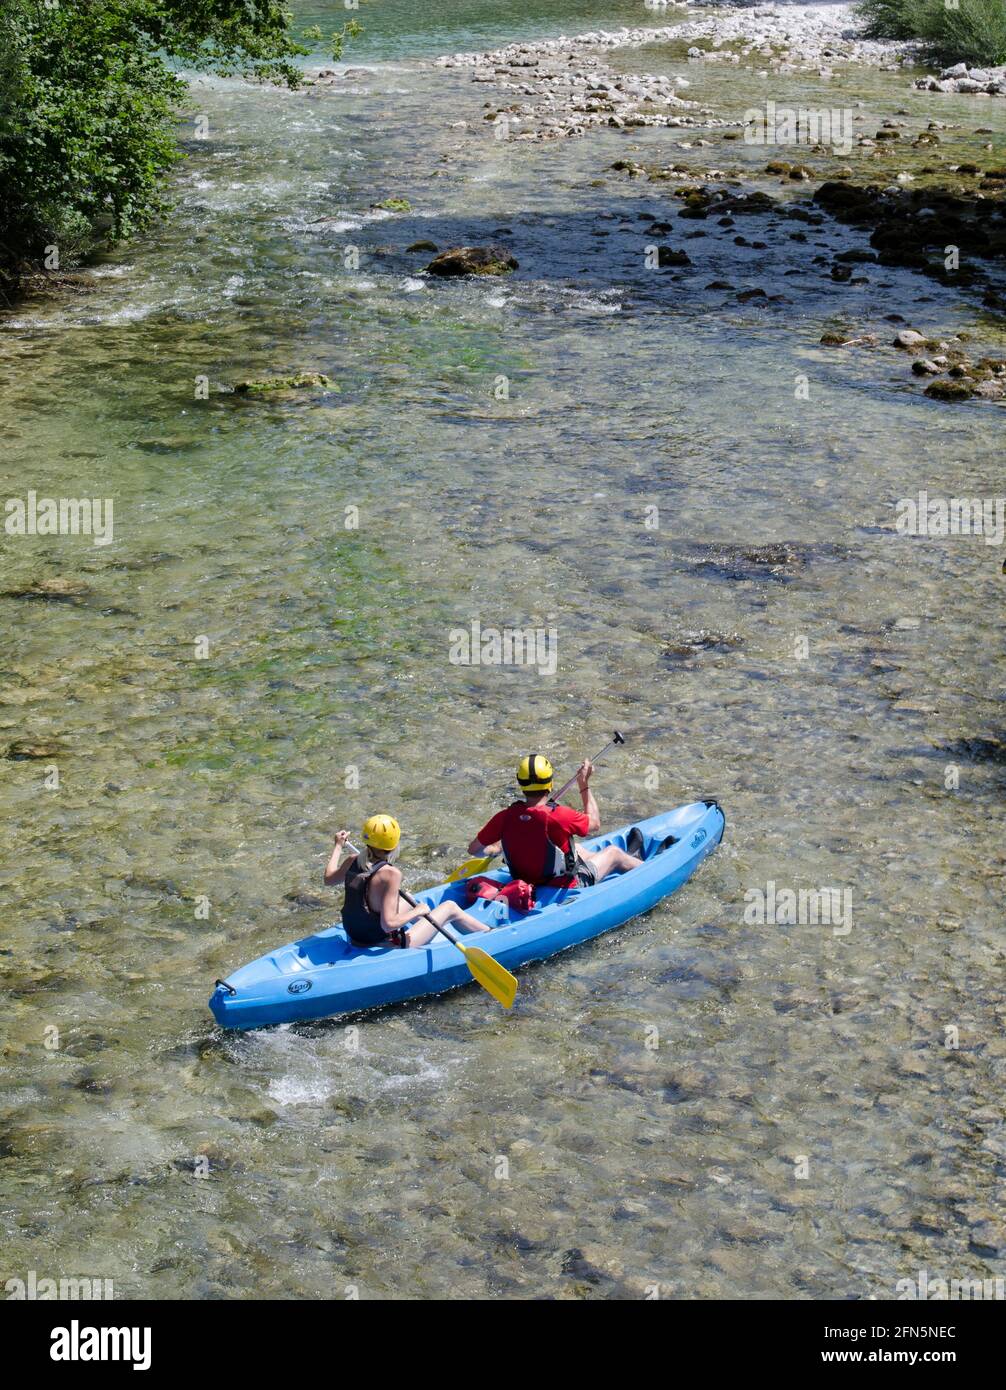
column 424, row 931
column 610, row 860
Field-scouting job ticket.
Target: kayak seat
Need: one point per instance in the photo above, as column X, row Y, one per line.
column 666, row 844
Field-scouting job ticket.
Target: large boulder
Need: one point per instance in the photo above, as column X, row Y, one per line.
column 473, row 260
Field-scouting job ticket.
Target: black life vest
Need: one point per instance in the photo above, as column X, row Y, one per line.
column 361, row 922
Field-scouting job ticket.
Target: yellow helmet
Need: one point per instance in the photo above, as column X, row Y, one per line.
column 534, row 773
column 381, row 832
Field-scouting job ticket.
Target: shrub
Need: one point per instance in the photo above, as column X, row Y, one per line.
column 973, row 31
column 88, row 99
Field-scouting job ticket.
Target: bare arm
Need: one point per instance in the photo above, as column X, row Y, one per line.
column 476, row 847
column 385, row 899
column 587, row 796
column 335, row 870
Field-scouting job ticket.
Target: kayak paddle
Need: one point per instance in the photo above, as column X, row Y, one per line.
column 471, row 867
column 485, row 968
column 554, row 800
column 492, row 976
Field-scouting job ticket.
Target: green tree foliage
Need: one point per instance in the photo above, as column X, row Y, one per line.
column 89, row 91
column 970, row 31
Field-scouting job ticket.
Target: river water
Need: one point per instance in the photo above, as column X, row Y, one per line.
column 697, row 1104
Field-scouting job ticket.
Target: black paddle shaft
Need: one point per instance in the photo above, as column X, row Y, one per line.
column 554, row 800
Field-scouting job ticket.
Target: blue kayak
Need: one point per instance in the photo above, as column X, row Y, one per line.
column 326, row 974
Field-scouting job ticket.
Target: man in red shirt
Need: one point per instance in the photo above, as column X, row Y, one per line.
column 536, row 837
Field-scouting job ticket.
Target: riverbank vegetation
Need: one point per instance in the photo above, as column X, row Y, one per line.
column 89, row 101
column 971, row 31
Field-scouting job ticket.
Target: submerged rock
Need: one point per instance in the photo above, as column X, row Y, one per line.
column 55, row 590
column 304, row 900
column 298, row 382
column 689, row 644
column 473, row 260
column 23, row 750
column 592, row 1265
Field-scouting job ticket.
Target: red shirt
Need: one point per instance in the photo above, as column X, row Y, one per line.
column 562, row 823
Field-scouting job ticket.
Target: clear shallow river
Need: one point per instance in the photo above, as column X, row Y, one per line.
column 332, row 1169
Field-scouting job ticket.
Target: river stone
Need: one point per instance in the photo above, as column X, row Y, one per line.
column 304, row 900
column 667, row 256
column 950, row 390
column 22, row 750
column 594, row 1264
column 473, row 260
column 263, row 1117
column 297, row 382
column 689, row 644
column 55, row 590
column 629, row 1211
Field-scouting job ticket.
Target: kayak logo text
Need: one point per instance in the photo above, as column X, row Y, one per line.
column 804, row 907
column 76, row 1343
column 32, row 1287
column 786, row 125
column 476, row 645
column 60, row 516
column 952, row 516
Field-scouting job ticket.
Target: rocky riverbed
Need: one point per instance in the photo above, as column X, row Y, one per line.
column 567, row 86
column 942, row 217
column 962, row 78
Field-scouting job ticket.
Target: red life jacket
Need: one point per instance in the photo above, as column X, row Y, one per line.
column 518, row 895
column 530, row 851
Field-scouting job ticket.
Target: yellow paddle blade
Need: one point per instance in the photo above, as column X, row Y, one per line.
column 491, row 975
column 469, row 868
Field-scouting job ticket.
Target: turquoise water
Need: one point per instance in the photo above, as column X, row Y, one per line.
column 207, row 777
column 400, row 29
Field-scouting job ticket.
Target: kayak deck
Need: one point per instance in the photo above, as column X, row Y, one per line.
column 326, row 974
